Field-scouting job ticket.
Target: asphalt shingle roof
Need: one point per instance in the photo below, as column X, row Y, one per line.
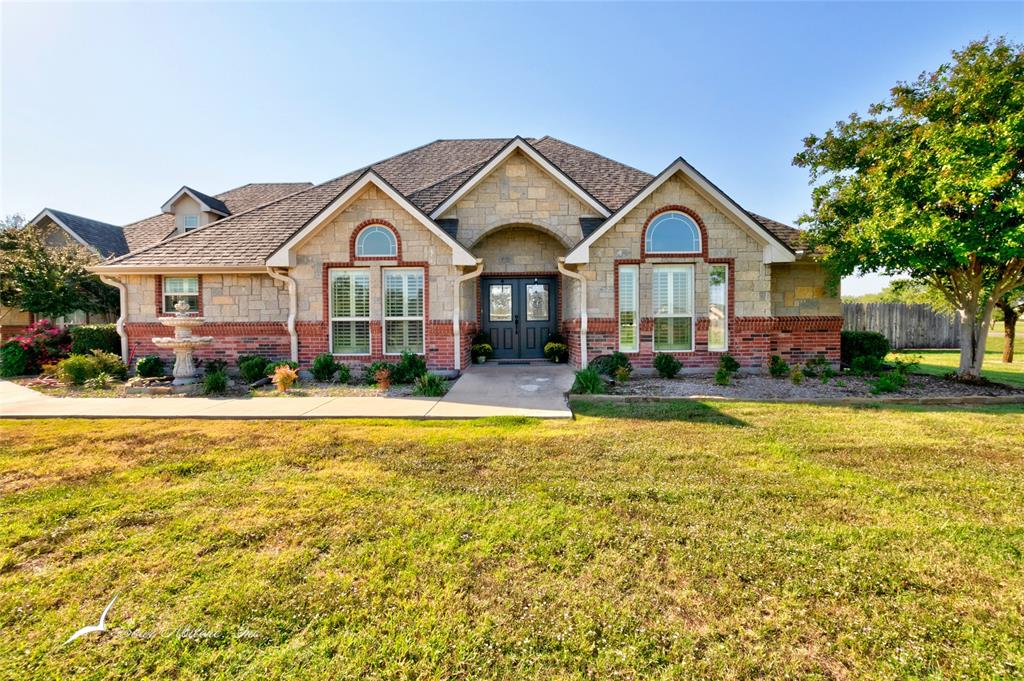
column 106, row 238
column 426, row 175
column 210, row 202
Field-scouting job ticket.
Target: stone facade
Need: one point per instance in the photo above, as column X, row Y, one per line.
column 519, row 249
column 519, row 191
column 801, row 289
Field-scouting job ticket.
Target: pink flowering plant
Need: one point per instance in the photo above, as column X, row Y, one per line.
column 44, row 343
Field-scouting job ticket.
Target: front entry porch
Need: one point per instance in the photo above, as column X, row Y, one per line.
column 518, row 314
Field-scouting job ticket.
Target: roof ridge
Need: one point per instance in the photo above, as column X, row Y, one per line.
column 448, row 177
column 591, row 151
column 80, row 217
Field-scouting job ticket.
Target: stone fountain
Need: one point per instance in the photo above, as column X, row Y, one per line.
column 183, row 342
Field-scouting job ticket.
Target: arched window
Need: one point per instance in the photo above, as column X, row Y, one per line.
column 673, row 233
column 376, row 241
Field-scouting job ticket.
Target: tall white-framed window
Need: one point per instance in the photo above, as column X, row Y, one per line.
column 189, row 222
column 672, row 298
column 350, row 311
column 180, row 288
column 629, row 307
column 718, row 307
column 403, row 310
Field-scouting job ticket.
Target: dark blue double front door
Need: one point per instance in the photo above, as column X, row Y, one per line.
column 519, row 314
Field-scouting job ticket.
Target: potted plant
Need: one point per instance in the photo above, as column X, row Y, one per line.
column 556, row 352
column 481, row 351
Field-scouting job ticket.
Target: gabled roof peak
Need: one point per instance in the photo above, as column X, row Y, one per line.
column 206, row 203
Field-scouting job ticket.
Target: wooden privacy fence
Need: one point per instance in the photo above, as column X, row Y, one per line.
column 905, row 325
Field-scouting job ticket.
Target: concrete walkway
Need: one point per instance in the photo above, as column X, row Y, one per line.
column 480, row 392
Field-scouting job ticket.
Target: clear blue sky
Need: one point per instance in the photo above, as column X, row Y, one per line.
column 107, row 109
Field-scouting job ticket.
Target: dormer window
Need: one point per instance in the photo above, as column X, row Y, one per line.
column 189, row 222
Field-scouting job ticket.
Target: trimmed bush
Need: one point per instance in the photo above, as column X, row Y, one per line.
column 252, row 367
column 854, row 344
column 666, row 365
column 430, row 385
column 722, row 376
column 77, row 369
column 409, row 368
column 797, row 377
column 13, row 359
column 344, row 373
column 729, row 363
column 89, row 337
column 215, row 383
column 607, row 364
column 484, row 350
column 373, row 368
column 556, row 352
column 110, row 364
column 588, row 382
column 324, row 367
column 778, row 367
column 150, row 366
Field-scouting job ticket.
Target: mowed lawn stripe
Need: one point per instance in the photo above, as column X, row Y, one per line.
column 666, row 540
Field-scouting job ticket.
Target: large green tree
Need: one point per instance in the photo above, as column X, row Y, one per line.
column 931, row 184
column 48, row 280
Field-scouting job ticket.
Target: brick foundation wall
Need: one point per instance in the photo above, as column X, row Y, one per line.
column 752, row 341
column 231, row 339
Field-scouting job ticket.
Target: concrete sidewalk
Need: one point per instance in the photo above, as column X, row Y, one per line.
column 483, row 394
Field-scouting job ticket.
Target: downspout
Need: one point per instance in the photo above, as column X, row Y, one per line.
column 293, row 304
column 119, row 285
column 583, row 309
column 456, row 321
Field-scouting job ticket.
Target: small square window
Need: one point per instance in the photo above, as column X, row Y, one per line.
column 180, row 289
column 190, row 222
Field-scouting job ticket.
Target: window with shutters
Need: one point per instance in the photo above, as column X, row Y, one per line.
column 403, row 311
column 350, row 311
column 718, row 311
column 672, row 298
column 629, row 304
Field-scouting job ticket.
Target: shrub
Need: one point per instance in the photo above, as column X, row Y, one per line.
column 324, row 367
column 374, row 367
column 905, row 366
column 13, row 359
column 150, row 366
column 865, row 365
column 667, row 366
column 854, row 344
column 344, row 373
column 100, row 381
column 588, row 382
column 382, row 377
column 215, row 382
column 77, row 369
column 272, row 367
column 410, row 367
column 110, row 364
column 814, row 367
column 481, row 350
column 729, row 363
column 89, row 337
column 722, row 376
column 556, row 352
column 889, row 382
column 252, row 367
column 607, row 364
column 621, row 374
column 430, row 385
column 778, row 367
column 797, row 377
column 44, row 343
column 212, row 366
column 827, row 374
column 284, row 376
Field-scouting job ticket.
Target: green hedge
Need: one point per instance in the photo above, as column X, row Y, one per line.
column 89, row 337
column 854, row 344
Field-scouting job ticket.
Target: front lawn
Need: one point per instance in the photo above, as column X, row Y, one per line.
column 941, row 362
column 667, row 540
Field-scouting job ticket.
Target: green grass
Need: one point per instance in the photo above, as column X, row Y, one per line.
column 941, row 362
column 673, row 540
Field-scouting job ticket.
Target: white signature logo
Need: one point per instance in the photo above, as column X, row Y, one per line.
column 92, row 628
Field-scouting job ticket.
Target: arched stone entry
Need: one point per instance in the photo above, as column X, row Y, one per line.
column 519, row 248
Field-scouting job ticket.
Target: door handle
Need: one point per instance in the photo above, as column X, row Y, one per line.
column 517, row 324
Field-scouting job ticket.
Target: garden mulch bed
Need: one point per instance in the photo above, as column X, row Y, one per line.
column 758, row 387
column 54, row 388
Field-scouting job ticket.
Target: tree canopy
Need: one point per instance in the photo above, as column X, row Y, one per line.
column 931, row 183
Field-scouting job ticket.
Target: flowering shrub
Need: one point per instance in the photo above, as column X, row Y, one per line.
column 44, row 343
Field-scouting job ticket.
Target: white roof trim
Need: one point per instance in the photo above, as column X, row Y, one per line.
column 519, row 144
column 774, row 250
column 46, row 212
column 166, row 208
column 284, row 256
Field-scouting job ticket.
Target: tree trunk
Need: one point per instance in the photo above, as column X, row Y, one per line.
column 1010, row 316
column 973, row 334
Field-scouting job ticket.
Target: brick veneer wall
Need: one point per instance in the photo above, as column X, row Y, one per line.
column 231, row 339
column 752, row 341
